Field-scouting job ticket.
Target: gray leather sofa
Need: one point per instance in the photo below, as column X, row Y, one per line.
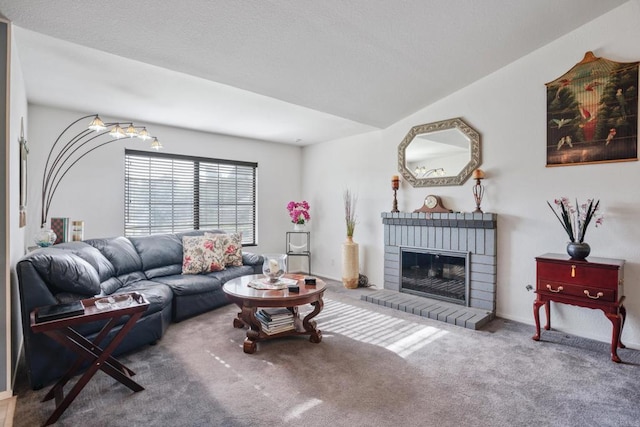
column 150, row 265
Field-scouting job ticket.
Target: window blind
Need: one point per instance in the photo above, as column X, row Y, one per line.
column 167, row 193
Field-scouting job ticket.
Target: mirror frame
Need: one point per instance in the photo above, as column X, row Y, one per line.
column 467, row 170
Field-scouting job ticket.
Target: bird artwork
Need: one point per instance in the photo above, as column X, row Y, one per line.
column 588, row 125
column 563, row 83
column 565, row 140
column 592, row 111
column 589, row 87
column 612, row 133
column 560, row 122
column 586, row 115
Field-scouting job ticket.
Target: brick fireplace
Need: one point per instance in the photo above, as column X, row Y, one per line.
column 472, row 234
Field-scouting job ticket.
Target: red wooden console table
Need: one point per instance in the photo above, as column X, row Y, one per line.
column 592, row 283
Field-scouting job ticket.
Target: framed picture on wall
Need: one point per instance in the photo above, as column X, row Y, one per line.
column 592, row 113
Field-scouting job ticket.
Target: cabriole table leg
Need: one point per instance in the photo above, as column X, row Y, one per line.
column 310, row 325
column 536, row 317
column 615, row 336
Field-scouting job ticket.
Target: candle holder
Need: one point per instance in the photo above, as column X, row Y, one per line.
column 478, row 189
column 395, row 185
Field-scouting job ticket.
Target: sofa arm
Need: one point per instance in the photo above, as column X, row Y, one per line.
column 34, row 291
column 252, row 259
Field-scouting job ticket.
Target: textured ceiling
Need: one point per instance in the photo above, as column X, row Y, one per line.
column 293, row 71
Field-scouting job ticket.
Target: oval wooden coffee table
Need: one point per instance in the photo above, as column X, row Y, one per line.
column 250, row 299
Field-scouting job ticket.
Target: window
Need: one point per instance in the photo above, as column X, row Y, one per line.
column 167, row 193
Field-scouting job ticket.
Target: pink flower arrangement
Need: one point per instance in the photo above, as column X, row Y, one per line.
column 299, row 212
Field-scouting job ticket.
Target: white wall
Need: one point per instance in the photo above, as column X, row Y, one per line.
column 508, row 108
column 93, row 190
column 363, row 164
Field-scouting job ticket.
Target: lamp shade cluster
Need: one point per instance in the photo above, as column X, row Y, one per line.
column 117, row 132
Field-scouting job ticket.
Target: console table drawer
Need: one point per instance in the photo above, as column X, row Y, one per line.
column 579, row 273
column 578, row 291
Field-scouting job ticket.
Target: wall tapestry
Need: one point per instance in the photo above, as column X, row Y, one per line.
column 592, row 113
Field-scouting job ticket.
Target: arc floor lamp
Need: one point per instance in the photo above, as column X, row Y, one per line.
column 69, row 149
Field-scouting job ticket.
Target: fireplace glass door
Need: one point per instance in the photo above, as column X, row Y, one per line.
column 434, row 274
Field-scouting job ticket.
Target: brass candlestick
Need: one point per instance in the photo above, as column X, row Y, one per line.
column 395, row 184
column 478, row 189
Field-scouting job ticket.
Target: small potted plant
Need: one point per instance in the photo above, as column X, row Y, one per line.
column 350, row 201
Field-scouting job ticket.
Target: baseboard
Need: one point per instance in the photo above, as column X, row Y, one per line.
column 327, row 276
column 324, row 276
column 529, row 321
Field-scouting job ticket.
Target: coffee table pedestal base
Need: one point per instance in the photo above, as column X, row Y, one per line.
column 247, row 318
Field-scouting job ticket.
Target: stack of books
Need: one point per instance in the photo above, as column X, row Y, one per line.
column 275, row 320
column 60, row 226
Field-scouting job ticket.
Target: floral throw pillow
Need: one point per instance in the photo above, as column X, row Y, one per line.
column 201, row 254
column 232, row 247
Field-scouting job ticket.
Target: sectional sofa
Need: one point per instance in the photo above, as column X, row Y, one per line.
column 151, row 265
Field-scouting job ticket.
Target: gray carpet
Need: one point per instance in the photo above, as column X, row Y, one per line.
column 374, row 367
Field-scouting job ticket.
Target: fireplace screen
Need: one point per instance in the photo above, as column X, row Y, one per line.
column 435, row 274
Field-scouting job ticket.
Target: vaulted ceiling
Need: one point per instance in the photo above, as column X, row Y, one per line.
column 291, row 71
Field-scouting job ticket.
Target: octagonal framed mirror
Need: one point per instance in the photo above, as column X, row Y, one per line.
column 439, row 153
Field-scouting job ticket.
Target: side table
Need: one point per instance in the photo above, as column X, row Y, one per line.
column 592, row 283
column 62, row 331
column 292, row 248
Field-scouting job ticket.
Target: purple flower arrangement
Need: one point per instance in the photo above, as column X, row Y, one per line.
column 575, row 220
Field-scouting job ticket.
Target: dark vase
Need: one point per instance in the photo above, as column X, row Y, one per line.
column 578, row 250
